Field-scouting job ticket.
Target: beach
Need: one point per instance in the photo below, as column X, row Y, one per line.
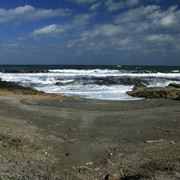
column 90, row 90
column 52, row 138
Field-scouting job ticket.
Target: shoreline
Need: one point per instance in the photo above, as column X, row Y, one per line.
column 94, row 82
column 49, row 136
column 89, row 139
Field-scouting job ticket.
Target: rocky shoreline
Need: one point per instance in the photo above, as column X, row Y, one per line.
column 169, row 92
column 172, row 91
column 48, row 136
column 10, row 88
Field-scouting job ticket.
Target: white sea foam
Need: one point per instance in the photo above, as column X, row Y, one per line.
column 175, row 71
column 93, row 91
column 66, row 81
column 81, row 82
column 106, row 72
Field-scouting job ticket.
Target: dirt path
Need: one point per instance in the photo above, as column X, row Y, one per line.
column 89, row 139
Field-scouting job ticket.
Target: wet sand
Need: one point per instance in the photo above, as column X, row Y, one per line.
column 89, row 139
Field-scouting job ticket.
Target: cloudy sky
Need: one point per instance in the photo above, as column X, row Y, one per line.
column 127, row 32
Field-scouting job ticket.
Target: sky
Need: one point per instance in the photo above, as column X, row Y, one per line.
column 90, row 32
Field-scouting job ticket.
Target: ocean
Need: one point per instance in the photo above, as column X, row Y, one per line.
column 93, row 81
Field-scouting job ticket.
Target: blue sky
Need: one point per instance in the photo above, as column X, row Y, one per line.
column 127, row 32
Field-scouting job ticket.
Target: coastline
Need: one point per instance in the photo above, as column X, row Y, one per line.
column 88, row 139
column 98, row 82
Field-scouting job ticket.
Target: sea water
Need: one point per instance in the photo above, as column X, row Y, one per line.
column 96, row 82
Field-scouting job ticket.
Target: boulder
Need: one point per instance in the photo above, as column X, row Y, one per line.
column 12, row 88
column 170, row 92
column 174, row 85
column 139, row 87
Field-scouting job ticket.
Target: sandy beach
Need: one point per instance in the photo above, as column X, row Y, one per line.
column 44, row 138
column 90, row 90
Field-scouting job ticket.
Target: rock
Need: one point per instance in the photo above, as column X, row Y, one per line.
column 58, row 84
column 12, row 88
column 174, row 85
column 177, row 98
column 177, row 174
column 139, row 87
column 170, row 92
column 113, row 177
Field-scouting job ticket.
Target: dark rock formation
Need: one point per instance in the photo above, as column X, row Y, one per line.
column 170, row 92
column 174, row 85
column 12, row 88
column 139, row 87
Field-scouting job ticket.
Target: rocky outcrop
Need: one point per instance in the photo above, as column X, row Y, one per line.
column 10, row 88
column 169, row 92
column 174, row 85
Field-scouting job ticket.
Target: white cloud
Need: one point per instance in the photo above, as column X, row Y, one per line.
column 168, row 20
column 149, row 17
column 135, row 15
column 29, row 13
column 109, row 30
column 111, row 5
column 123, row 43
column 105, row 30
column 139, row 30
column 95, row 6
column 114, row 5
column 80, row 20
column 50, row 31
column 131, row 3
column 160, row 37
column 54, row 30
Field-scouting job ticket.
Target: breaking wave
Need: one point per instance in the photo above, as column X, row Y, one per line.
column 90, row 83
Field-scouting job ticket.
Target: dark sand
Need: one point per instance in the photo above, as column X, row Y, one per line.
column 89, row 139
